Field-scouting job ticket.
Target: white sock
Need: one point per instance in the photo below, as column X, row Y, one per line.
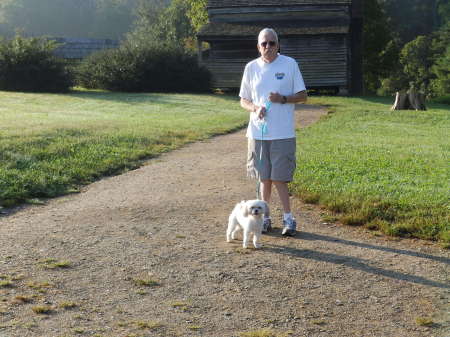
column 287, row 216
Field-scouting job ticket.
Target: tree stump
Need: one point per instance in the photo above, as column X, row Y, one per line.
column 410, row 100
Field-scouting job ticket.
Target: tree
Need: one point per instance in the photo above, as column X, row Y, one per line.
column 67, row 18
column 28, row 64
column 417, row 61
column 379, row 51
column 166, row 25
column 441, row 61
column 442, row 14
column 410, row 18
column 197, row 13
column 441, row 69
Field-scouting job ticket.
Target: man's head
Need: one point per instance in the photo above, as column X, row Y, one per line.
column 268, row 44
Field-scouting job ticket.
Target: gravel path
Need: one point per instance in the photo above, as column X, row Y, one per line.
column 144, row 254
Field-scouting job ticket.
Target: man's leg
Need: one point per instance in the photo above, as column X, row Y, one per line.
column 266, row 190
column 283, row 193
column 289, row 223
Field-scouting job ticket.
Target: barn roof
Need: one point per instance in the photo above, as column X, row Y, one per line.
column 220, row 29
column 243, row 3
column 78, row 48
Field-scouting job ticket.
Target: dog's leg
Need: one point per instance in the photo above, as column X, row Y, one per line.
column 236, row 230
column 245, row 239
column 231, row 229
column 256, row 240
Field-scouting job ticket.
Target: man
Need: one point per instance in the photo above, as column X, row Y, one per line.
column 271, row 85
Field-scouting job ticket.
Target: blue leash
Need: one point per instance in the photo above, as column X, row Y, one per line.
column 263, row 132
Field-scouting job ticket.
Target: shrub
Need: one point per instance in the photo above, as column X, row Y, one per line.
column 144, row 69
column 390, row 85
column 442, row 99
column 424, row 64
column 441, row 84
column 28, row 64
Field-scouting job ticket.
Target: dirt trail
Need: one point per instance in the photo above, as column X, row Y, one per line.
column 166, row 222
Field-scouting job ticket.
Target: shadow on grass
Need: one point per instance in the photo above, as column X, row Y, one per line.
column 378, row 99
column 356, row 263
column 389, row 100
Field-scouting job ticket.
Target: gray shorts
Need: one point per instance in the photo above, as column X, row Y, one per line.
column 276, row 162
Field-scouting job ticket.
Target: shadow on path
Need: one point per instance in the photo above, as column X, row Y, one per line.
column 314, row 237
column 354, row 262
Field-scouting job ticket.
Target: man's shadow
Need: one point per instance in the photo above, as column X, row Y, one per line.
column 354, row 262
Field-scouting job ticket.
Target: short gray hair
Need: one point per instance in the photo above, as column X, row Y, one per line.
column 268, row 30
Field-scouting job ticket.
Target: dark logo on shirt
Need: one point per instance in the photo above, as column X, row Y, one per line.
column 279, row 76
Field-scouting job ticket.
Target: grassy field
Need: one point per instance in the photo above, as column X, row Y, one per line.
column 388, row 171
column 51, row 144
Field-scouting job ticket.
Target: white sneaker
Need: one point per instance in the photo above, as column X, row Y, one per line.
column 289, row 227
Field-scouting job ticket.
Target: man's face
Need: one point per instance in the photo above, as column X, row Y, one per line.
column 268, row 47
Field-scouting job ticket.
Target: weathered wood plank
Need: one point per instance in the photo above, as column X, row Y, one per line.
column 234, row 3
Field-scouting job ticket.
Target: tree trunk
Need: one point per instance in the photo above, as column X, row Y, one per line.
column 411, row 100
column 401, row 101
column 417, row 100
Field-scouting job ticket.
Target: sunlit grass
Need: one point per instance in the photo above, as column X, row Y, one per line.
column 146, row 282
column 424, row 321
column 42, row 309
column 264, row 333
column 50, row 144
column 373, row 166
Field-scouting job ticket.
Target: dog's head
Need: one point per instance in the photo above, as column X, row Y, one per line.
column 255, row 208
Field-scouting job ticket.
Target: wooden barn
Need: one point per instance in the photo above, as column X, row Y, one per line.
column 324, row 36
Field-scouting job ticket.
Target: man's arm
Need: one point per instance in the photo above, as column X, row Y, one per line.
column 299, row 97
column 250, row 107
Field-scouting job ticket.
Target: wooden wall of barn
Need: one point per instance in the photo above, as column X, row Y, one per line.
column 227, row 59
column 323, row 59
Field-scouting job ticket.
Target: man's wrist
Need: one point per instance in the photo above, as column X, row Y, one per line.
column 283, row 99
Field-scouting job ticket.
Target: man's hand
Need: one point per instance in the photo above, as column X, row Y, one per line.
column 260, row 112
column 275, row 97
column 299, row 97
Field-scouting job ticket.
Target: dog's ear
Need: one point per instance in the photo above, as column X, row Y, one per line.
column 244, row 209
column 266, row 209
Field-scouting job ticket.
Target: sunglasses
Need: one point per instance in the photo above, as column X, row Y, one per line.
column 270, row 43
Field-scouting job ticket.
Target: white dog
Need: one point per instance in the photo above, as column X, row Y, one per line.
column 248, row 216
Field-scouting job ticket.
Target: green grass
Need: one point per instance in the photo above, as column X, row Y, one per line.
column 386, row 170
column 51, row 263
column 6, row 284
column 42, row 309
column 51, row 144
column 424, row 321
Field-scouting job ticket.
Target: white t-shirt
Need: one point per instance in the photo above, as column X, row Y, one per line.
column 260, row 79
